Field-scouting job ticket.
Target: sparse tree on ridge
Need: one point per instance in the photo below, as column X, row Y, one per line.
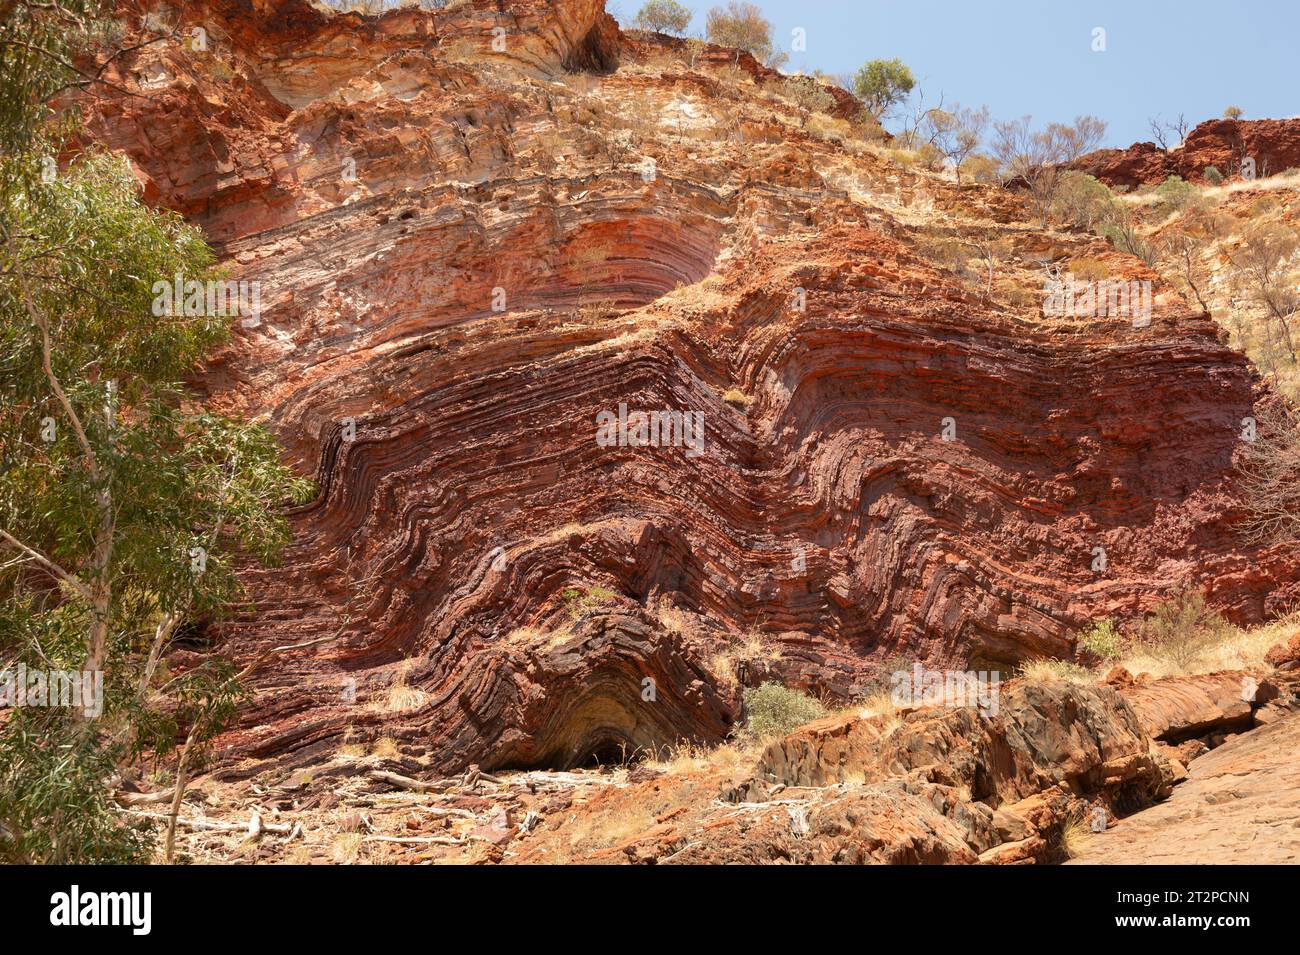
column 956, row 133
column 882, row 85
column 1168, row 135
column 743, row 27
column 1034, row 155
column 664, row 16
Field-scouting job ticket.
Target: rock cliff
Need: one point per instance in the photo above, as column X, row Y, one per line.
column 488, row 237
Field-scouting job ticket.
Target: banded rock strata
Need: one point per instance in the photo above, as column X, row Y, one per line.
column 505, row 590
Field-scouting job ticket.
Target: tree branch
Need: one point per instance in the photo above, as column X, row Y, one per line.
column 70, row 579
column 42, row 323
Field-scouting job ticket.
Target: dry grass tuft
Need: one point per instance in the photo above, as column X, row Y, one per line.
column 752, row 646
column 1231, row 649
column 881, row 705
column 688, row 757
column 1056, row 671
column 346, row 849
column 672, row 619
column 401, row 697
column 1074, row 835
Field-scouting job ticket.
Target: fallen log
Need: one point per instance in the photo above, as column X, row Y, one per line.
column 406, row 782
column 144, row 799
column 417, row 840
column 254, row 826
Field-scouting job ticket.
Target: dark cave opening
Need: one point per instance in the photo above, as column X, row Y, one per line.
column 597, row 52
column 609, row 725
column 608, row 751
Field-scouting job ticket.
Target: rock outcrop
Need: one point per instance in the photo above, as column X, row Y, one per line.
column 1180, row 708
column 1286, row 655
column 1273, row 145
column 1043, row 736
column 1240, row 805
column 936, row 785
column 488, row 236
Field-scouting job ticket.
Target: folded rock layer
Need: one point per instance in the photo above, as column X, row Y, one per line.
column 488, row 237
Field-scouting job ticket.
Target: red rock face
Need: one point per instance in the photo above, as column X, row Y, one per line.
column 1273, row 145
column 468, row 258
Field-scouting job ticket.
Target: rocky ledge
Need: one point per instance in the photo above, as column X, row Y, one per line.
column 1235, row 147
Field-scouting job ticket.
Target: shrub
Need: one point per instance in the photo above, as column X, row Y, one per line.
column 580, row 602
column 1212, row 175
column 809, row 95
column 947, row 253
column 929, row 157
column 664, row 16
column 979, row 168
column 1232, row 112
column 775, row 710
column 1175, row 193
column 1089, row 269
column 1181, row 629
column 1083, row 200
column 1125, row 237
column 1102, row 640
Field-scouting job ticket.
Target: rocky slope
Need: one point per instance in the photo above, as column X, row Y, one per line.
column 1272, row 144
column 1239, row 805
column 478, row 230
column 927, row 785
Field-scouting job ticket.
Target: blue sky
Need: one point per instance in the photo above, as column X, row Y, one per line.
column 1021, row 56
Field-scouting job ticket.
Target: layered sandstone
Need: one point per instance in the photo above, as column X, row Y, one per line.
column 469, row 253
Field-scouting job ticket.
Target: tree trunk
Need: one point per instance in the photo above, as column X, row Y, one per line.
column 182, row 771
